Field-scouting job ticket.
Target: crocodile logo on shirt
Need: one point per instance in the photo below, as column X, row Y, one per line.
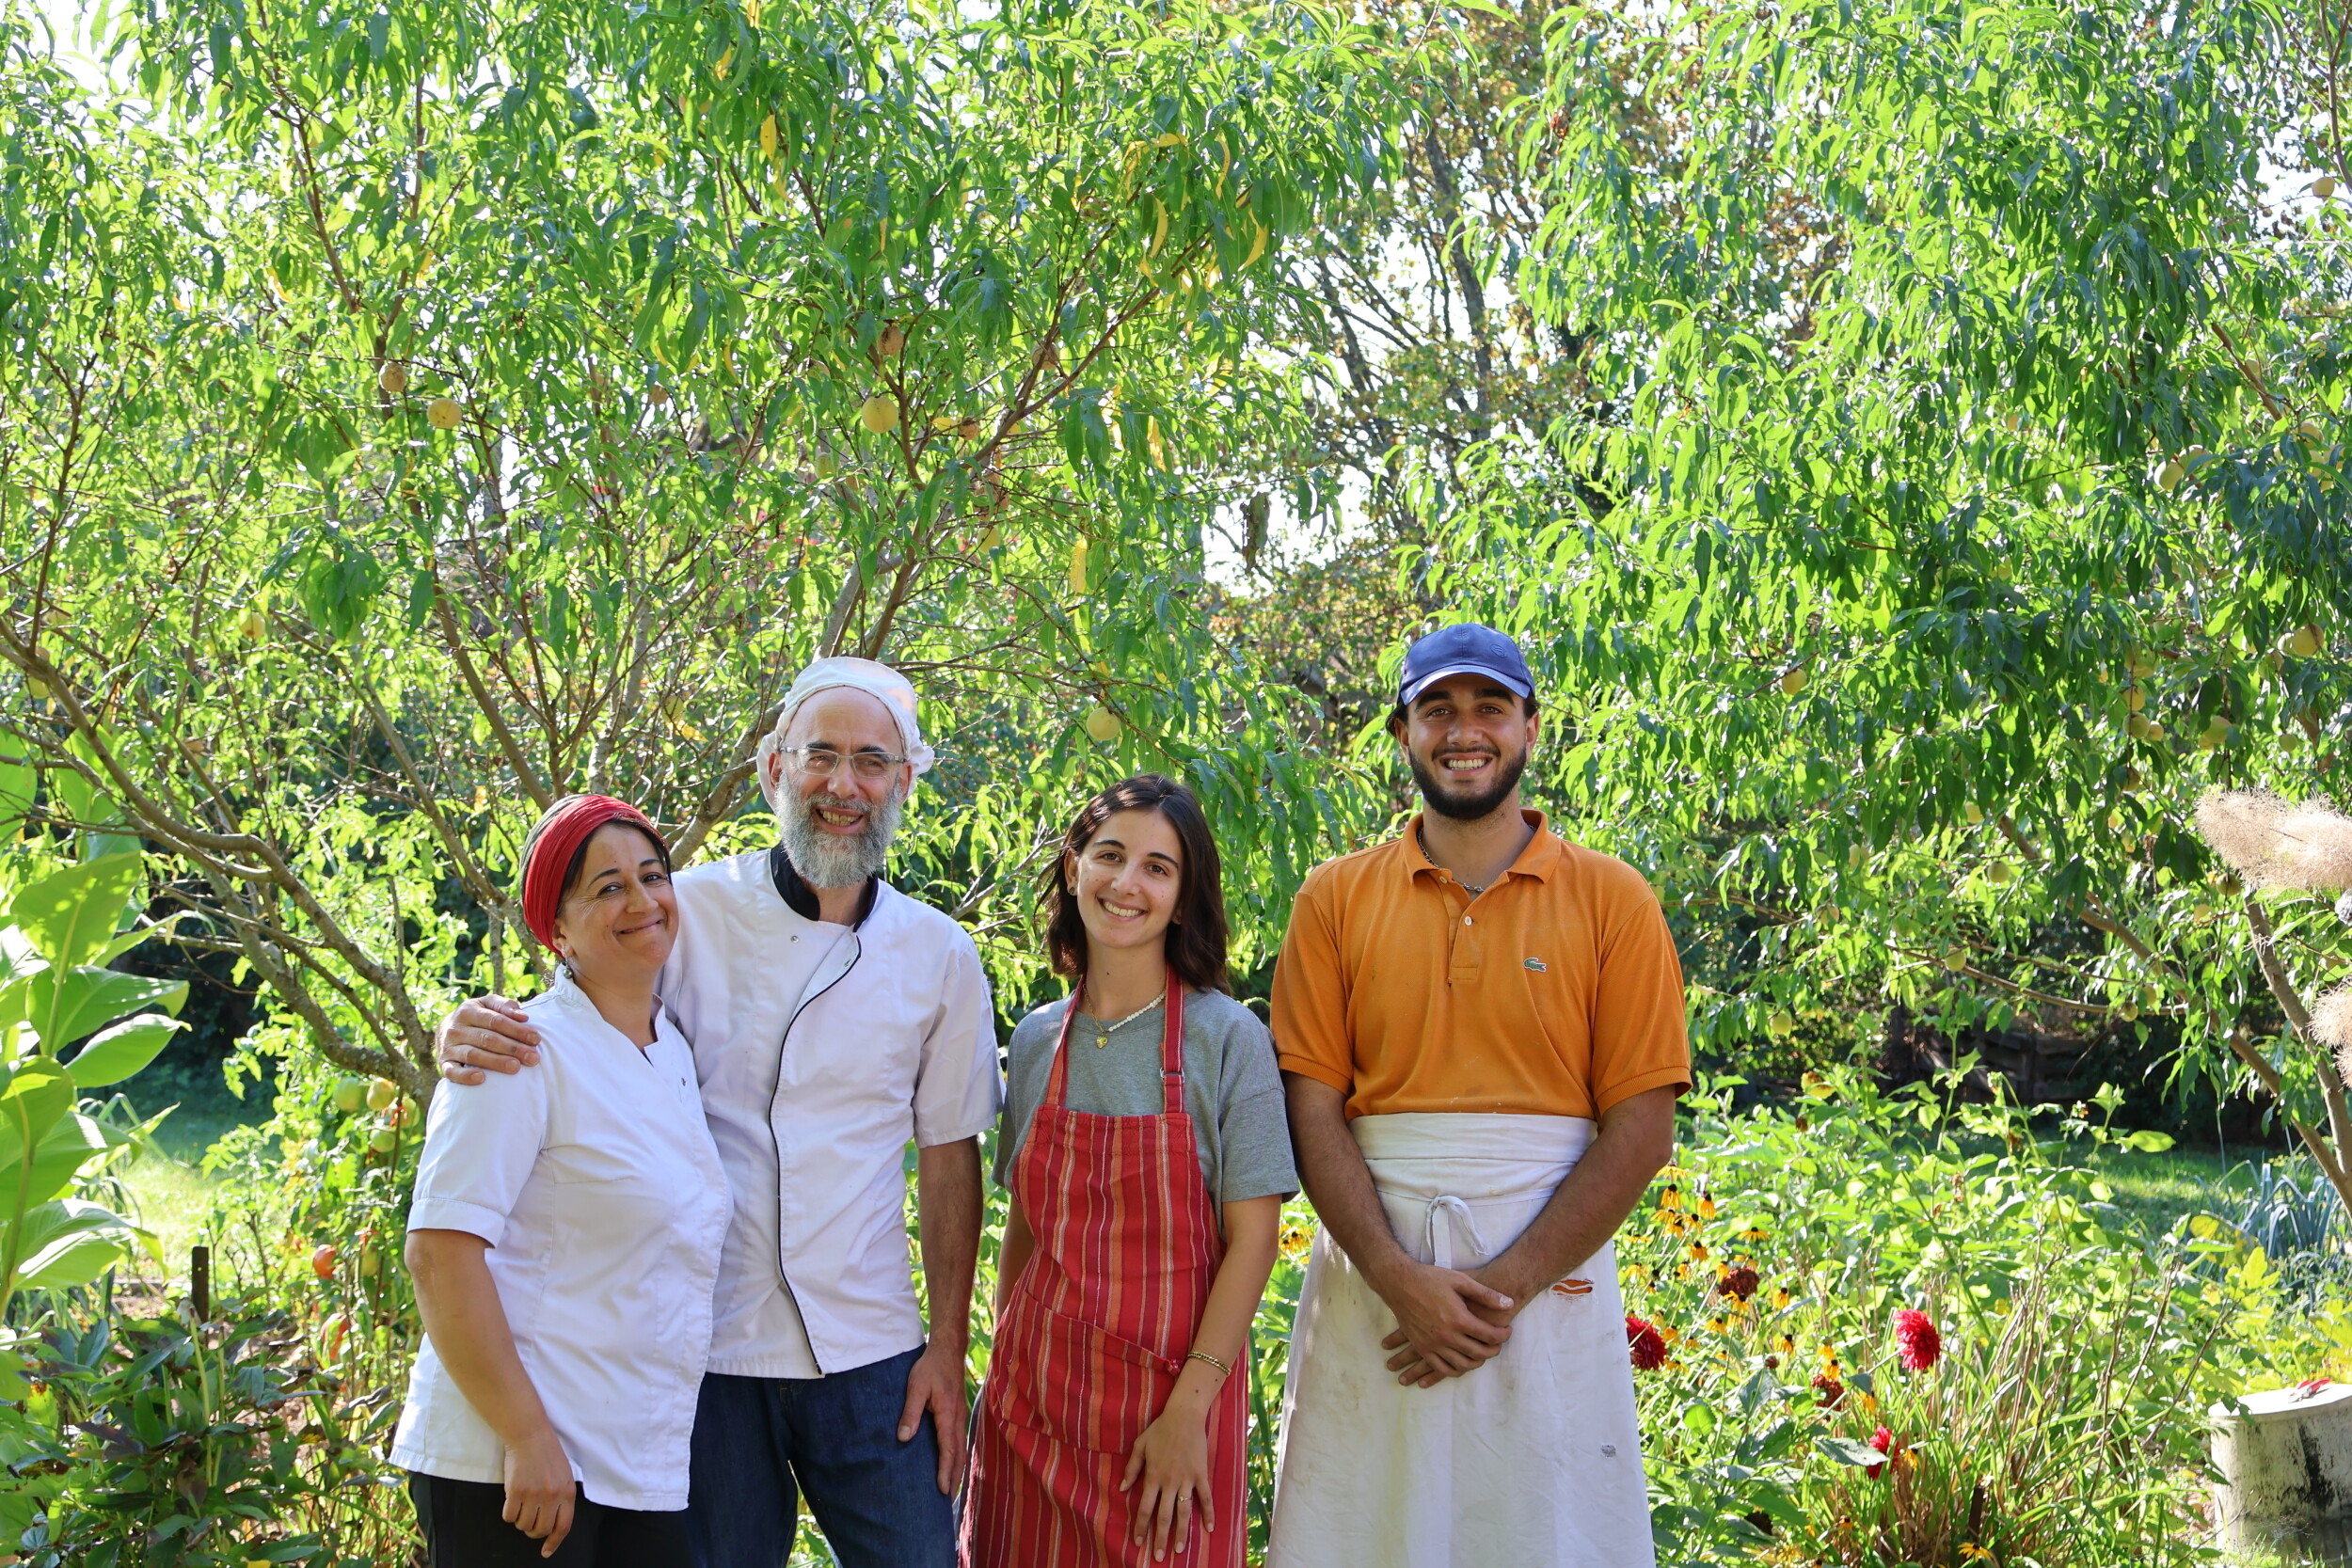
column 1536, row 964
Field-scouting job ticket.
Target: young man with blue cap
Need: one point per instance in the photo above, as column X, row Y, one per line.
column 1481, row 1032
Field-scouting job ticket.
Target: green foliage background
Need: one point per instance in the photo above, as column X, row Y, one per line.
column 1909, row 438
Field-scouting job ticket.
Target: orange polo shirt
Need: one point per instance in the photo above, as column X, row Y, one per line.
column 1556, row 992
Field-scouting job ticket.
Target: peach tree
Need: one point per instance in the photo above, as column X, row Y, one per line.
column 1959, row 494
column 414, row 412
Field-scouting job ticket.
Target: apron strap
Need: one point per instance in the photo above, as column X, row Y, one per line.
column 1172, row 1051
column 1445, row 1212
column 1060, row 1078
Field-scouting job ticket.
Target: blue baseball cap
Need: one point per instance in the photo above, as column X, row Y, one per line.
column 1468, row 649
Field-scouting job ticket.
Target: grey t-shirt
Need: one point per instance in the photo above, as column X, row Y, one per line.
column 1232, row 1088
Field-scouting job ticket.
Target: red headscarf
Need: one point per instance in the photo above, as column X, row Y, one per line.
column 558, row 838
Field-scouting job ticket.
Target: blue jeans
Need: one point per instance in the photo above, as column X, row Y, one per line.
column 761, row 1441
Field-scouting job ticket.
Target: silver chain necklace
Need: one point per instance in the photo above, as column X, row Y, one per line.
column 1473, row 889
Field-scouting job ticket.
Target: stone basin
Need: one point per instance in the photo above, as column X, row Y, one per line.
column 2286, row 1474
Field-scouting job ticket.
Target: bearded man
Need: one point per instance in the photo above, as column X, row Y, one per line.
column 832, row 1018
column 1481, row 1032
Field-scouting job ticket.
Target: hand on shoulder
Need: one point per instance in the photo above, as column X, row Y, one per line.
column 489, row 1033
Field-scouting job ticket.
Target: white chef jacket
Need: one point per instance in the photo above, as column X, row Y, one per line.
column 823, row 1050
column 595, row 1179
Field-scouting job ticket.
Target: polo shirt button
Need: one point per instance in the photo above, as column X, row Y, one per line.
column 1466, row 921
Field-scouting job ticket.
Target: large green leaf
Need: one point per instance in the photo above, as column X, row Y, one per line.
column 68, row 1004
column 37, row 1097
column 19, row 960
column 72, row 914
column 67, row 1241
column 114, row 1054
column 18, row 785
column 71, row 1260
column 69, row 1145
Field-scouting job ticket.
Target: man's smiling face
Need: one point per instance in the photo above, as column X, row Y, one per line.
column 836, row 828
column 1466, row 738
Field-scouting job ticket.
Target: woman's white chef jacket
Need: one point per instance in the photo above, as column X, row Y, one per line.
column 822, row 1051
column 595, row 1181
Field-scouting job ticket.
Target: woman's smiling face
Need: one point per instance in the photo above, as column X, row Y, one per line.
column 620, row 918
column 1127, row 879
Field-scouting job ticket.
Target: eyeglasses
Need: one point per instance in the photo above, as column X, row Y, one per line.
column 823, row 762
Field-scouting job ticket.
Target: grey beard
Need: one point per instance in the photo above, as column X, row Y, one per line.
column 828, row 860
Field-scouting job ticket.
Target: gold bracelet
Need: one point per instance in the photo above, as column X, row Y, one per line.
column 1204, row 1356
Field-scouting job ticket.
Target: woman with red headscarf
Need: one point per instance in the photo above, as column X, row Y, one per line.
column 564, row 1240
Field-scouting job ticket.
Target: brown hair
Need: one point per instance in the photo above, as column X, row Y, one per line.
column 1196, row 939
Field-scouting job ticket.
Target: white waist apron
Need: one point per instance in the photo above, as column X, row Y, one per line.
column 1532, row 1460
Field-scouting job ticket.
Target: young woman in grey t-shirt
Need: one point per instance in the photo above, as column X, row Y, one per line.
column 1147, row 1158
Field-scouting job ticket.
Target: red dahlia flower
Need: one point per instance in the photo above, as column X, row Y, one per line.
column 1648, row 1345
column 1832, row 1391
column 1916, row 1338
column 1737, row 1283
column 1884, row 1441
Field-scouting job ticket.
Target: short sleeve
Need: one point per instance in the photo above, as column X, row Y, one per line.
column 1253, row 1123
column 481, row 1142
column 1310, row 994
column 1641, row 1040
column 957, row 1090
column 1028, row 1058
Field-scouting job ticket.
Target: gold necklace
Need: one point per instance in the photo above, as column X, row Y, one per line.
column 1103, row 1030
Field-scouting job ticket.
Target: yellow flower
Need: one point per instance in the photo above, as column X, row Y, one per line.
column 1707, row 1204
column 1699, row 1252
column 1971, row 1552
column 1780, row 1299
column 1785, row 1345
column 1755, row 1235
column 1670, row 1198
column 1297, row 1240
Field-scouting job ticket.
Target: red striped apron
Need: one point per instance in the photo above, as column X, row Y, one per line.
column 1095, row 1333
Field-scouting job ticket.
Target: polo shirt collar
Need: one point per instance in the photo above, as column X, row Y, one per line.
column 802, row 898
column 1538, row 860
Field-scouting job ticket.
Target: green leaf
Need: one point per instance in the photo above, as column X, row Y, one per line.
column 70, row 1144
column 67, row 1241
column 19, row 962
column 1848, row 1451
column 72, row 914
column 19, row 783
column 122, row 1051
column 67, row 1003
column 2149, row 1142
column 71, row 1260
column 37, row 1095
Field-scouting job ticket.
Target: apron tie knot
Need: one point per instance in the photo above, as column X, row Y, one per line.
column 1442, row 1234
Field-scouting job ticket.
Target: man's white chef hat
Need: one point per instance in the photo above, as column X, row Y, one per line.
column 859, row 674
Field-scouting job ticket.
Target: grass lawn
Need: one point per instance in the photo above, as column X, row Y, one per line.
column 170, row 1196
column 2157, row 1189
column 169, row 1190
